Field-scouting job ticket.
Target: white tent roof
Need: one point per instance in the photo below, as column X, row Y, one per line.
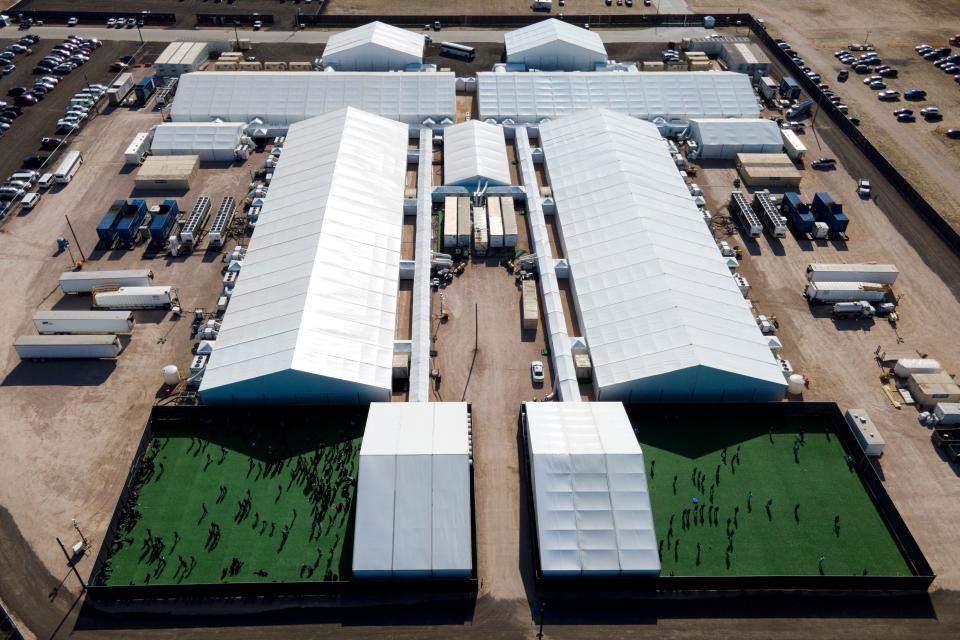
column 191, row 138
column 590, row 490
column 653, row 292
column 376, row 33
column 736, row 132
column 317, row 296
column 474, row 151
column 530, row 97
column 548, row 32
column 413, row 496
column 282, row 98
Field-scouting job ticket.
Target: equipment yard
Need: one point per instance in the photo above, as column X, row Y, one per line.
column 497, row 333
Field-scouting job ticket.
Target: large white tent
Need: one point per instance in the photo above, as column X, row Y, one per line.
column 724, row 138
column 475, row 152
column 280, row 99
column 554, row 45
column 312, row 317
column 413, row 497
column 376, row 46
column 530, row 97
column 589, row 490
column 663, row 318
column 211, row 141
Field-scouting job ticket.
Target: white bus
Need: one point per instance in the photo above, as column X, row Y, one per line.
column 457, row 50
column 68, row 167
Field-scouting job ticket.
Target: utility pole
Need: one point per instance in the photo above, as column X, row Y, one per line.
column 543, row 605
column 476, row 327
column 72, row 566
column 77, row 242
column 236, row 34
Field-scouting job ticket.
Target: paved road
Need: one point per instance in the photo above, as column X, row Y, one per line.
column 319, row 36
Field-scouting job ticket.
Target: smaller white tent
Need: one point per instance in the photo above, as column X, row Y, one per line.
column 413, row 496
column 590, row 491
column 724, row 138
column 554, row 45
column 474, row 152
column 373, row 47
column 212, row 141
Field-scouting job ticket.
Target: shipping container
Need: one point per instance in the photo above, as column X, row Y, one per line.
column 87, row 281
column 84, row 322
column 865, row 432
column 68, row 167
column 450, row 222
column 795, row 149
column 481, row 239
column 831, row 292
column 853, row 272
column 120, row 88
column 798, row 213
column 745, row 215
column 138, row 148
column 826, row 210
column 530, row 304
column 495, row 221
column 464, row 232
column 906, row 367
column 163, row 217
column 509, row 213
column 144, row 89
column 135, row 298
column 67, row 347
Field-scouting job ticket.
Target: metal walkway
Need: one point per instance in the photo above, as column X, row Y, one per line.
column 421, row 307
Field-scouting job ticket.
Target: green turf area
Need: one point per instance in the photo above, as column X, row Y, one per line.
column 756, row 456
column 180, row 501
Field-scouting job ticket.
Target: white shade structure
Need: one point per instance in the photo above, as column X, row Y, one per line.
column 313, row 314
column 590, row 491
column 475, row 152
column 554, row 45
column 280, row 99
column 530, row 97
column 376, row 46
column 414, row 515
column 663, row 319
column 724, row 138
column 211, row 141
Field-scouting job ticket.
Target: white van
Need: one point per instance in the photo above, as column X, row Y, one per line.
column 46, row 181
column 30, row 200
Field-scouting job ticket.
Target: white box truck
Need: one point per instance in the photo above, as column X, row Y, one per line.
column 67, row 347
column 87, row 281
column 84, row 322
column 68, row 167
column 853, row 272
column 135, row 298
column 795, row 149
column 832, row 292
column 865, row 432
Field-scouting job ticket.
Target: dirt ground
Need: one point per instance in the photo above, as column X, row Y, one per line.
column 38, row 121
column 816, row 29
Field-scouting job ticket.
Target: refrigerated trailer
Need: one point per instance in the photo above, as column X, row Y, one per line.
column 135, row 298
column 495, row 223
column 530, row 304
column 84, row 322
column 463, row 224
column 509, row 213
column 853, row 272
column 67, row 347
column 832, row 292
column 87, row 281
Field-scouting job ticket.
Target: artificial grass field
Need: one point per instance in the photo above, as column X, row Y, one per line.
column 778, row 542
column 261, row 459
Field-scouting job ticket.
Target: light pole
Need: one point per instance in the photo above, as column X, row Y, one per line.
column 236, row 34
column 139, row 33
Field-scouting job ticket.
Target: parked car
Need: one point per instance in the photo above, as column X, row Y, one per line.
column 906, row 117
column 953, row 134
column 888, row 72
column 914, row 94
column 863, row 188
column 32, row 162
column 823, row 164
column 72, row 22
column 902, row 111
column 26, row 100
column 50, row 143
column 536, row 371
column 843, row 75
column 888, row 95
column 7, row 68
column 878, row 84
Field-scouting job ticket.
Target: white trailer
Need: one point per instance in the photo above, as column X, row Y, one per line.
column 947, row 413
column 795, row 149
column 832, row 292
column 84, row 322
column 450, row 222
column 138, row 149
column 495, row 223
column 865, row 432
column 135, row 298
column 529, row 304
column 853, row 272
column 509, row 214
column 67, row 347
column 481, row 240
column 463, row 224
column 68, row 167
column 120, row 89
column 87, row 281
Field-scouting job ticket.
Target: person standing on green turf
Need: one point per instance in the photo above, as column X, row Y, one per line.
column 749, row 499
column 820, row 562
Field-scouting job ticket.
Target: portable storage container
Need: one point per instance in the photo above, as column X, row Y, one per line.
column 84, row 322
column 509, row 214
column 531, row 309
column 450, row 222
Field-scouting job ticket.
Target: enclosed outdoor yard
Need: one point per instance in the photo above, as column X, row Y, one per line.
column 254, row 501
column 754, row 497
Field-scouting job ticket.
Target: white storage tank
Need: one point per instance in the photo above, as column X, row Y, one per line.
column 906, row 367
column 795, row 385
column 171, row 375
